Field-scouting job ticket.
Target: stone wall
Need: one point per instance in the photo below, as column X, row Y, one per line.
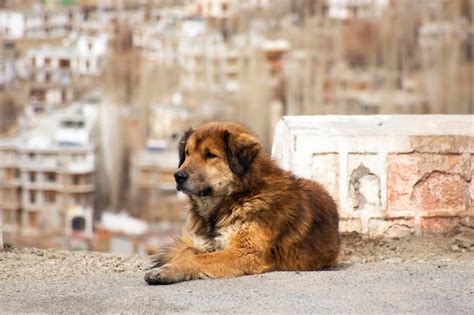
column 1, row 230
column 390, row 175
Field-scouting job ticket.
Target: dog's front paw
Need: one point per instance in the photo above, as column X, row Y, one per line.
column 163, row 275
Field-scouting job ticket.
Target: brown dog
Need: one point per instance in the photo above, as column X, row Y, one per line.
column 247, row 215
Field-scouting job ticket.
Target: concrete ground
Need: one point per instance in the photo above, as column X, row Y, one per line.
column 379, row 287
column 430, row 275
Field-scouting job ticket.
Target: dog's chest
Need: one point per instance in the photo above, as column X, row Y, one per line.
column 223, row 237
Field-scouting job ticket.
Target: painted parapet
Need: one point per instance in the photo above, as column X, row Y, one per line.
column 390, row 175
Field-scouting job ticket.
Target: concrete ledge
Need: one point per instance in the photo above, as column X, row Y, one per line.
column 391, row 175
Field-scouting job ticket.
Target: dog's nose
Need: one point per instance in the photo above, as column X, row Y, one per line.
column 180, row 176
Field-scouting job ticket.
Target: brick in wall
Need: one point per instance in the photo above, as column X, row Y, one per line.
column 428, row 182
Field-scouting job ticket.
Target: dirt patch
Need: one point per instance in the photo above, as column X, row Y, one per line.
column 359, row 249
column 32, row 263
column 36, row 263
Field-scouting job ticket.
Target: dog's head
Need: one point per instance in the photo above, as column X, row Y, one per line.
column 213, row 157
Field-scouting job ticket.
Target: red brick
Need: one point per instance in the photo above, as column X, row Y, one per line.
column 428, row 182
column 440, row 191
column 438, row 225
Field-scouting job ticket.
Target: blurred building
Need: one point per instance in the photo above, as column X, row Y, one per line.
column 8, row 60
column 215, row 9
column 210, row 63
column 153, row 187
column 45, row 171
column 350, row 9
column 158, row 40
column 38, row 22
column 168, row 122
column 82, row 56
column 53, row 70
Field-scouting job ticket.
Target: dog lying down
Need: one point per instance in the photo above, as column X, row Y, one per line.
column 246, row 215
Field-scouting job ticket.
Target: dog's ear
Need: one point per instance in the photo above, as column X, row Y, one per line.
column 182, row 145
column 241, row 150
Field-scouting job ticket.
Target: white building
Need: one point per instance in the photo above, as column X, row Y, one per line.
column 215, row 9
column 208, row 62
column 7, row 68
column 51, row 70
column 153, row 187
column 90, row 53
column 82, row 56
column 46, row 170
column 38, row 22
column 158, row 41
column 346, row 9
column 168, row 121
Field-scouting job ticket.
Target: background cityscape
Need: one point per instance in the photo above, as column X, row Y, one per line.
column 95, row 94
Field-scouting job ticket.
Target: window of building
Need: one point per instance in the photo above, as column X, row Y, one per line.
column 32, row 196
column 32, row 177
column 50, row 177
column 78, row 157
column 75, row 179
column 8, row 174
column 10, row 217
column 32, row 219
column 7, row 217
column 11, row 195
column 78, row 224
column 145, row 175
column 38, row 93
column 78, row 200
column 50, row 197
column 64, row 63
column 90, row 46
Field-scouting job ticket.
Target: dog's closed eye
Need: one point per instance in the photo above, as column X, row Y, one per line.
column 210, row 155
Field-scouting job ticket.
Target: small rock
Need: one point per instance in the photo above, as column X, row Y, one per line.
column 8, row 247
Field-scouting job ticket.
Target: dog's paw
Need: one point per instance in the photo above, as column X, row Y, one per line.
column 163, row 275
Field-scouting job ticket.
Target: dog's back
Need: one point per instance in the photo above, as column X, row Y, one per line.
column 304, row 224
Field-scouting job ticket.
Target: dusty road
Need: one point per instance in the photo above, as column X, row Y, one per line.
column 383, row 287
column 419, row 275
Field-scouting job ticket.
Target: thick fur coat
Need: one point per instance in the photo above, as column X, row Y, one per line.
column 246, row 215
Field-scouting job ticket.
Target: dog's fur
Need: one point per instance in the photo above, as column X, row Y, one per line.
column 246, row 216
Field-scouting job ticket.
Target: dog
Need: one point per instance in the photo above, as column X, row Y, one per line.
column 247, row 215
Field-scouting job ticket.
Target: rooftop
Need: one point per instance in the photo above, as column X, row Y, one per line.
column 48, row 131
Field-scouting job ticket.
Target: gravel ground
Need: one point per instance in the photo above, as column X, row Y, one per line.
column 31, row 263
column 415, row 275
